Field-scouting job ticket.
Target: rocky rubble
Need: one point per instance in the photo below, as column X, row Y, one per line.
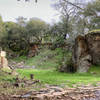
column 19, row 65
column 56, row 93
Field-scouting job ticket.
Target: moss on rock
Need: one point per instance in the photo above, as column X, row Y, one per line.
column 94, row 31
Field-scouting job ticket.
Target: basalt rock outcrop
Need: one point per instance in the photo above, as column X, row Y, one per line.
column 86, row 51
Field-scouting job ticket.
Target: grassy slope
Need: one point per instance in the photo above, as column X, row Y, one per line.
column 5, row 77
column 46, row 59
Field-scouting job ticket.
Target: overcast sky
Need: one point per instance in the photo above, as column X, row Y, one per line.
column 12, row 9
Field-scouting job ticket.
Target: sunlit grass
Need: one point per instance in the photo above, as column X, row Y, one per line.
column 54, row 77
column 57, row 78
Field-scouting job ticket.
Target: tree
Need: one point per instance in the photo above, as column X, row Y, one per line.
column 70, row 16
column 92, row 14
column 15, row 39
column 36, row 30
column 74, row 18
column 21, row 34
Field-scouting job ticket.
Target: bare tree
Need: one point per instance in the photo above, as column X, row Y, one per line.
column 73, row 21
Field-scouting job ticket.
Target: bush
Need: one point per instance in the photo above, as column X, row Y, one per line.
column 66, row 65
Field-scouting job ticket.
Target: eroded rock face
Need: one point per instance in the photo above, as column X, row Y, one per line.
column 86, row 51
column 93, row 41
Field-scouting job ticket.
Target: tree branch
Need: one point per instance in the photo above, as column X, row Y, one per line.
column 73, row 4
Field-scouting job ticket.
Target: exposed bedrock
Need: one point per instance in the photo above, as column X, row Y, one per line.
column 86, row 51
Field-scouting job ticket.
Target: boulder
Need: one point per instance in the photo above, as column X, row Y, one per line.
column 86, row 51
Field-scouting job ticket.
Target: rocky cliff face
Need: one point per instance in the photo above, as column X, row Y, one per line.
column 86, row 51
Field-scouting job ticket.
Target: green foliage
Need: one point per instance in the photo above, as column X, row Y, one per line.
column 95, row 69
column 59, row 42
column 46, row 59
column 66, row 64
column 20, row 35
column 36, row 29
column 92, row 12
column 15, row 40
column 6, row 77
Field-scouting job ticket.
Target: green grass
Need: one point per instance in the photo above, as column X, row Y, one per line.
column 54, row 77
column 5, row 77
column 57, row 78
column 47, row 61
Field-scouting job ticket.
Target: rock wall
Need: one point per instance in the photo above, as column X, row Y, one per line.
column 86, row 51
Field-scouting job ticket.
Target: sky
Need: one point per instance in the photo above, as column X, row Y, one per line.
column 12, row 9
